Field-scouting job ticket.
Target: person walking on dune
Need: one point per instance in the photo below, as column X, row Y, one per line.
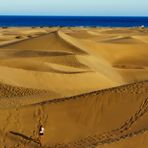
column 41, row 134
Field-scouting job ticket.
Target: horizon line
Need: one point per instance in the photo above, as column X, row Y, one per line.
column 72, row 15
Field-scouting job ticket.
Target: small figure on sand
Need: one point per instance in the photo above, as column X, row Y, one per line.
column 41, row 133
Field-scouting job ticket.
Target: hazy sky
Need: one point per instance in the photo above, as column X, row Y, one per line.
column 75, row 7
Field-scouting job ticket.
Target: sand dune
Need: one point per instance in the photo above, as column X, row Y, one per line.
column 87, row 86
column 43, row 66
column 82, row 125
column 48, row 42
column 123, row 39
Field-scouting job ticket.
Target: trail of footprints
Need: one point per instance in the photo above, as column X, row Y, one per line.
column 13, row 119
column 40, row 117
column 16, row 118
column 112, row 136
column 5, row 128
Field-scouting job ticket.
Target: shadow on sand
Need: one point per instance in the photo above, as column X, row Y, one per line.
column 24, row 137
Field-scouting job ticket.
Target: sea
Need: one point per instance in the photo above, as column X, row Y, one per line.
column 72, row 21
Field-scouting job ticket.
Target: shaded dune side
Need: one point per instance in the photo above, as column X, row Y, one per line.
column 38, row 53
column 128, row 123
column 67, row 60
column 122, row 132
column 86, row 126
column 17, row 53
column 105, row 141
column 123, row 39
column 68, row 66
column 51, row 41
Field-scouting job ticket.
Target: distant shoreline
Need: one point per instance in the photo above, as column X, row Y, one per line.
column 73, row 21
column 5, row 27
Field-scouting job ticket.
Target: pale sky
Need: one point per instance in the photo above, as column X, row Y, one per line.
column 75, row 7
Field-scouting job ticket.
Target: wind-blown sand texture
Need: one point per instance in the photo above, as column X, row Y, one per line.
column 87, row 86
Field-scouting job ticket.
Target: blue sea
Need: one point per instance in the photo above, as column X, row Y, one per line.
column 22, row 21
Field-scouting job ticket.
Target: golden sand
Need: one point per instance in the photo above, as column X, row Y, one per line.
column 88, row 87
